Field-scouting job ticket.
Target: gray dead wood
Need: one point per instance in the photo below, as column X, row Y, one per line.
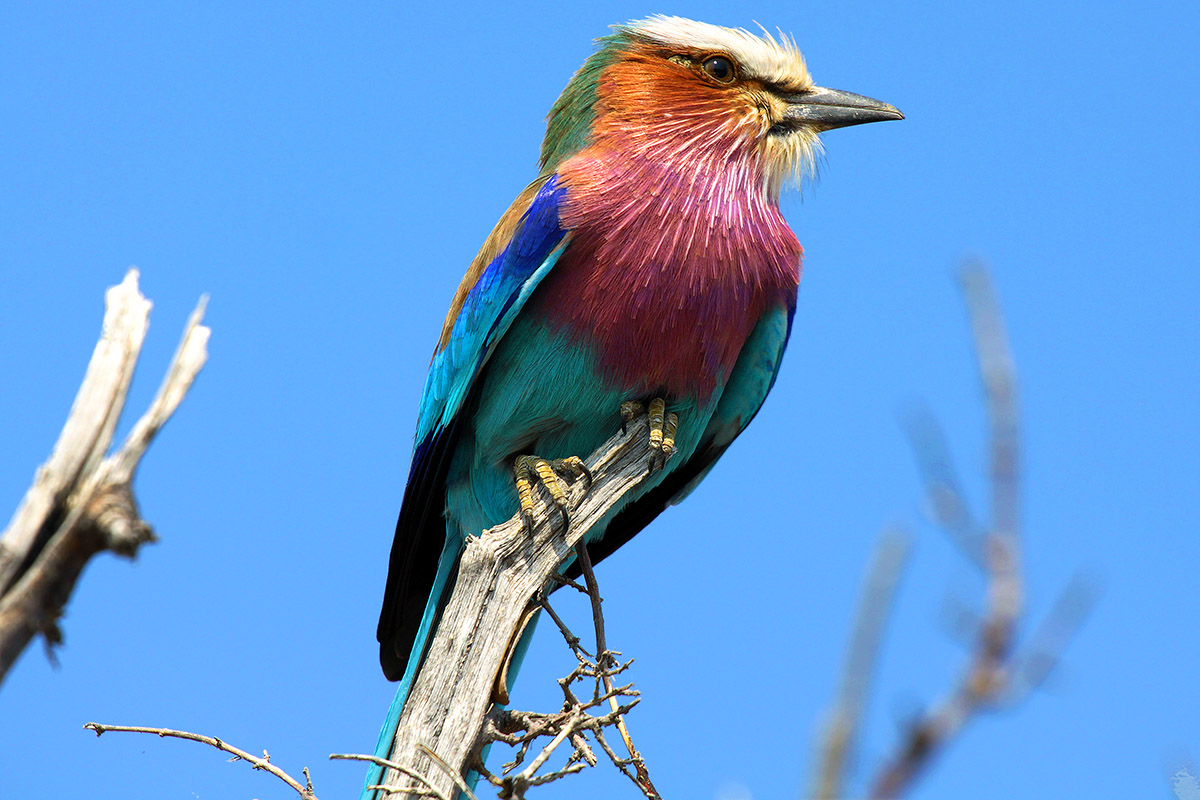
column 500, row 573
column 81, row 503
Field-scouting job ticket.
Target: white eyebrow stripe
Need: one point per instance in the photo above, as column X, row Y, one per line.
column 767, row 58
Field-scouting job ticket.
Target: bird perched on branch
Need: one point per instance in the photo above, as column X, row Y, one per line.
column 647, row 266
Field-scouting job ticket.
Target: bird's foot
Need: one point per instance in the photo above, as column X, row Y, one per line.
column 552, row 475
column 663, row 426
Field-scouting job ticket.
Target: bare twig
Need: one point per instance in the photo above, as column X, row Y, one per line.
column 523, row 778
column 947, row 502
column 82, row 503
column 429, row 791
column 563, row 580
column 304, row 790
column 449, row 770
column 572, row 640
column 1040, row 653
column 997, row 674
column 522, row 728
column 602, row 658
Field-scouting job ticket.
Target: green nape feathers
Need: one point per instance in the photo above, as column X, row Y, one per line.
column 569, row 123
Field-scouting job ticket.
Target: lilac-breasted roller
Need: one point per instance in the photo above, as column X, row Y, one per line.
column 647, row 263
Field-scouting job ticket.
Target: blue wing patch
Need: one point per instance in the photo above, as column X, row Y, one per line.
column 490, row 308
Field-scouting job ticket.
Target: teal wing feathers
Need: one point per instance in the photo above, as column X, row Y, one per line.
column 485, row 315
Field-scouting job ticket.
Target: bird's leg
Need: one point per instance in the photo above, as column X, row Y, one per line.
column 663, row 426
column 551, row 474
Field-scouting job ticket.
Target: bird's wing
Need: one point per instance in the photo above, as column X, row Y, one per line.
column 752, row 377
column 524, row 246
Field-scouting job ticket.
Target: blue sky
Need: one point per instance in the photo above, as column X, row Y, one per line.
column 326, row 172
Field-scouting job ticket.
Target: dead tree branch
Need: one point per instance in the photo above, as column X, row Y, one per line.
column 81, row 503
column 501, row 572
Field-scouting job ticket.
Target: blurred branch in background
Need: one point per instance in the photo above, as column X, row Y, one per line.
column 81, row 503
column 997, row 674
column 879, row 588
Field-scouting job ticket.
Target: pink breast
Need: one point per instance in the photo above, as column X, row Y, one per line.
column 666, row 284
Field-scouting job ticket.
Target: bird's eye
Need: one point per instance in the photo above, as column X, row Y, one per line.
column 719, row 68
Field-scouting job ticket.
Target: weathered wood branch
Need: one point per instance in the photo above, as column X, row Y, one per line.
column 81, row 503
column 500, row 574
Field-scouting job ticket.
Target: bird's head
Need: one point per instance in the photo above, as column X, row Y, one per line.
column 673, row 90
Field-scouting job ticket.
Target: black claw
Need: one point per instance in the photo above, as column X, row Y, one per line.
column 587, row 473
column 566, row 519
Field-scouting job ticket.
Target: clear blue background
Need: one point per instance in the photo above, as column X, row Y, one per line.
column 326, row 172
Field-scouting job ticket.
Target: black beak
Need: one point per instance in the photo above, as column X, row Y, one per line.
column 826, row 109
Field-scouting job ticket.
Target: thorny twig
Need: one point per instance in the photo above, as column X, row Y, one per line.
column 577, row 719
column 305, row 791
column 572, row 640
column 603, row 658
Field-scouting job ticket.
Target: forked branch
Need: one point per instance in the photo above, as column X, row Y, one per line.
column 81, row 503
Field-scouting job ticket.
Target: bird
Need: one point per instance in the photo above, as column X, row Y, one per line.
column 647, row 266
